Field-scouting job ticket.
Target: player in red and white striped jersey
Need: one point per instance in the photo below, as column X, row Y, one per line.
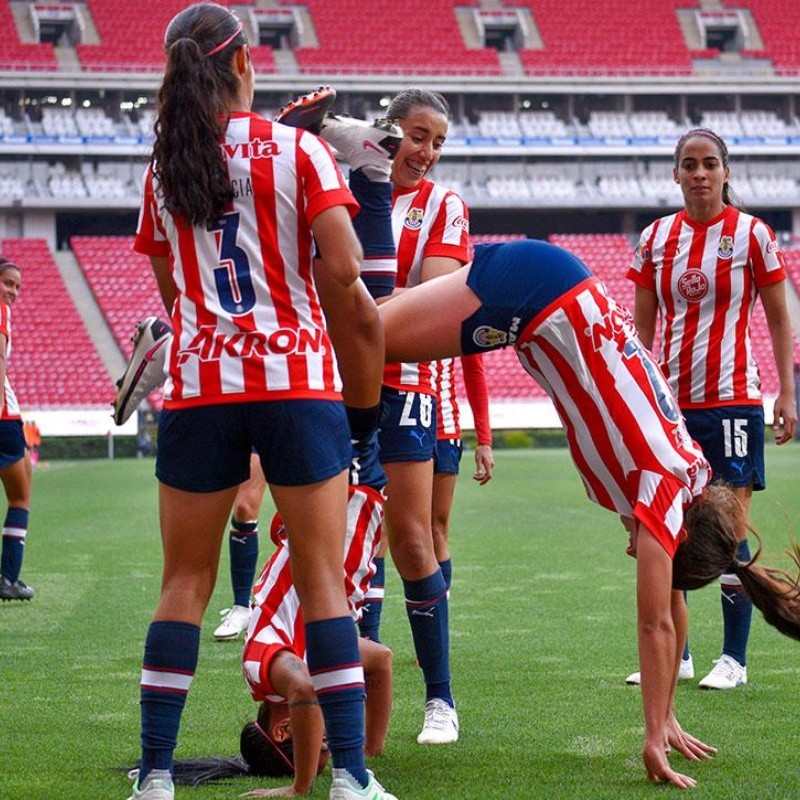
column 430, row 225
column 234, row 209
column 626, row 436
column 700, row 271
column 15, row 463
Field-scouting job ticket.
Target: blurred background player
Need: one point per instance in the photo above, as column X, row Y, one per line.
column 15, row 462
column 225, row 274
column 700, row 270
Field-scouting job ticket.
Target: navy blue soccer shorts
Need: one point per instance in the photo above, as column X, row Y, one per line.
column 408, row 427
column 12, row 442
column 732, row 439
column 207, row 448
column 447, row 456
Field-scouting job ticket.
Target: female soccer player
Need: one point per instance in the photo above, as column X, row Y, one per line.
column 701, row 270
column 231, row 203
column 15, row 464
column 626, row 436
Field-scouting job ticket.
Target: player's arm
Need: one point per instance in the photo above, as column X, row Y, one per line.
column 165, row 281
column 773, row 298
column 377, row 661
column 478, row 398
column 3, row 367
column 645, row 312
column 434, row 266
column 352, row 316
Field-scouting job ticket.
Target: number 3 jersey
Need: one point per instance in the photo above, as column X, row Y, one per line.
column 248, row 322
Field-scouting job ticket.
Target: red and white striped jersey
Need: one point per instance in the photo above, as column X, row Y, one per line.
column 625, row 431
column 448, row 417
column 276, row 622
column 707, row 277
column 10, row 405
column 427, row 221
column 248, row 322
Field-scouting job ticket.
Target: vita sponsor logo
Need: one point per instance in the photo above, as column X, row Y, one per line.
column 254, row 149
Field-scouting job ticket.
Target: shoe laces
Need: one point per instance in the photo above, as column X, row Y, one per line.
column 728, row 667
column 438, row 715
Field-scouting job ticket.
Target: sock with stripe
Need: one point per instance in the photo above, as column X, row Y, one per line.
column 338, row 678
column 370, row 623
column 15, row 529
column 426, row 607
column 737, row 611
column 170, row 661
column 243, row 549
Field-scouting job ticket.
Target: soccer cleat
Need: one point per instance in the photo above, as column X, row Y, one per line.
column 234, row 621
column 145, row 371
column 441, row 723
column 685, row 673
column 15, row 590
column 308, row 110
column 728, row 673
column 157, row 785
column 364, row 144
column 343, row 787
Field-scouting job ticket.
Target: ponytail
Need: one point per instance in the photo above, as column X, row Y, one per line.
column 199, row 82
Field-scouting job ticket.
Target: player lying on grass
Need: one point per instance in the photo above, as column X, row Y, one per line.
column 626, row 436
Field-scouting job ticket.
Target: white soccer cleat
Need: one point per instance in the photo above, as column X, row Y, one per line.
column 685, row 673
column 146, row 370
column 363, row 144
column 441, row 723
column 343, row 787
column 157, row 785
column 728, row 673
column 234, row 622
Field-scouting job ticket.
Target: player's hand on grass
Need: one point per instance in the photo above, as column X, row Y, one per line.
column 280, row 791
column 687, row 745
column 658, row 769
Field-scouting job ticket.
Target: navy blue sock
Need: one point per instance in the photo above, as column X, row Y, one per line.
column 338, row 678
column 15, row 529
column 243, row 549
column 737, row 611
column 373, row 226
column 170, row 661
column 447, row 573
column 426, row 606
column 370, row 623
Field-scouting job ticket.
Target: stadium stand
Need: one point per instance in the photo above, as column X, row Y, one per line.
column 776, row 20
column 14, row 55
column 54, row 363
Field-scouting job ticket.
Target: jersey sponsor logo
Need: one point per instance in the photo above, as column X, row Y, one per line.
column 725, row 247
column 513, row 330
column 461, row 222
column 209, row 345
column 772, row 247
column 254, row 149
column 486, row 336
column 693, row 285
column 413, row 220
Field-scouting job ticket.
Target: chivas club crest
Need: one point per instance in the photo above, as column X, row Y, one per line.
column 725, row 247
column 486, row 336
column 413, row 220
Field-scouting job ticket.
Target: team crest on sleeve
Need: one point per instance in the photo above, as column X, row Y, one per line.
column 413, row 220
column 642, row 252
column 693, row 285
column 725, row 247
column 486, row 336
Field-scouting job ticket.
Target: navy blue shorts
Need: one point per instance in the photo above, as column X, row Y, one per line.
column 732, row 439
column 515, row 281
column 408, row 427
column 447, row 456
column 207, row 448
column 12, row 442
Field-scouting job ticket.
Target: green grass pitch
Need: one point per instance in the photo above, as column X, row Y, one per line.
column 543, row 635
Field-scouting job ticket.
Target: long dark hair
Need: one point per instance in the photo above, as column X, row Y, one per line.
column 408, row 99
column 729, row 197
column 199, row 82
column 260, row 756
column 710, row 550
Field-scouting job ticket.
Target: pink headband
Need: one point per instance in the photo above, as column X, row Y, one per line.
column 222, row 46
column 274, row 745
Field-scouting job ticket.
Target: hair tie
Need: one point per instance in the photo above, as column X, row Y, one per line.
column 224, row 44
